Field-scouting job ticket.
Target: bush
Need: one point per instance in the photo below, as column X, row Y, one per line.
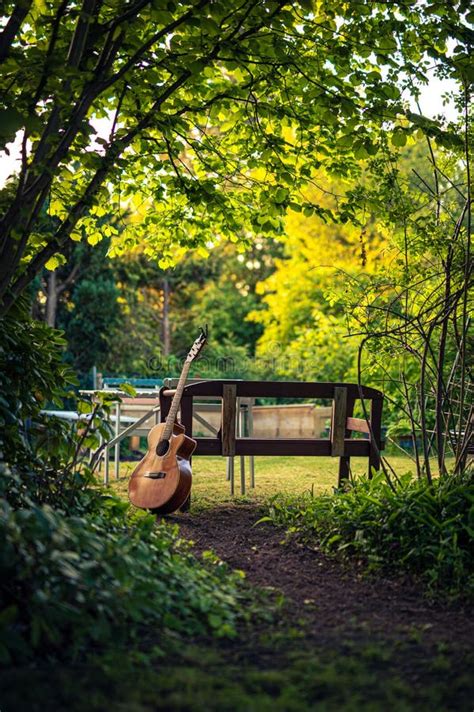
column 32, row 374
column 426, row 530
column 72, row 582
column 46, row 453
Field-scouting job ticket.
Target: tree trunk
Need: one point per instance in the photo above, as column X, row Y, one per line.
column 51, row 300
column 166, row 318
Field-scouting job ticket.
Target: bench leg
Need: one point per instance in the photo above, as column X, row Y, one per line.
column 374, row 463
column 375, row 435
column 344, row 470
column 345, row 460
column 186, row 506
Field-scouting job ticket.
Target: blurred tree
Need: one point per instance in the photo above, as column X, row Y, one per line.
column 217, row 289
column 304, row 321
column 85, row 305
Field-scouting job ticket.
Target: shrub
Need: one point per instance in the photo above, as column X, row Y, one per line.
column 426, row 530
column 46, row 454
column 32, row 374
column 72, row 582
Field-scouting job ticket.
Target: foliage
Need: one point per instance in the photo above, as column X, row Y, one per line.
column 45, row 452
column 78, row 570
column 32, row 373
column 218, row 289
column 279, row 672
column 302, row 310
column 413, row 526
column 390, row 304
column 89, row 313
column 215, row 118
column 411, row 318
column 104, row 578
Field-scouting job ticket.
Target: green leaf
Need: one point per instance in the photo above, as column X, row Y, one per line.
column 128, row 389
column 281, row 194
column 399, row 138
column 95, row 238
column 55, row 261
column 10, row 121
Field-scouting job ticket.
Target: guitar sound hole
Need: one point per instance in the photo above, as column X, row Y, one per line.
column 162, row 447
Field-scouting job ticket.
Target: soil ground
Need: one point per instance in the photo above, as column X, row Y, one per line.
column 332, row 595
column 344, row 641
column 342, row 609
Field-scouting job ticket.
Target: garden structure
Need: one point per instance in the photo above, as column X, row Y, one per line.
column 339, row 444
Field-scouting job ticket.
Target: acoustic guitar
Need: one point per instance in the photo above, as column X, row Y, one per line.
column 162, row 480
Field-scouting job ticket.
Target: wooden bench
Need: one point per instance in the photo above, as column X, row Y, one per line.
column 340, row 443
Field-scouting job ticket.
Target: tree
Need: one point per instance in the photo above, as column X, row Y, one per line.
column 90, row 313
column 412, row 318
column 305, row 327
column 216, row 115
column 217, row 289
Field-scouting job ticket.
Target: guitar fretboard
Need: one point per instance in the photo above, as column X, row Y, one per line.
column 173, row 412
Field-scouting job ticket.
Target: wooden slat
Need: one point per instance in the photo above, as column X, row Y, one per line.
column 229, row 392
column 165, row 405
column 338, row 424
column 357, row 425
column 187, row 415
column 281, row 389
column 282, row 446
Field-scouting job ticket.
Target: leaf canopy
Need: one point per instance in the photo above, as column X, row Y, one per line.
column 205, row 118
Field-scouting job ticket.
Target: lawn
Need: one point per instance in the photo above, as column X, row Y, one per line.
column 272, row 474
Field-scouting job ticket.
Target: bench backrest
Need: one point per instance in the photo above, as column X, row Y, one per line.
column 340, row 444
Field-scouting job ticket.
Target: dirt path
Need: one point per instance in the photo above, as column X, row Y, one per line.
column 338, row 603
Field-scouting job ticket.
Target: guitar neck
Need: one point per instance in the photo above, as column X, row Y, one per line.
column 173, row 412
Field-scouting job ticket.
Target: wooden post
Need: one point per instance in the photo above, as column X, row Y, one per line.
column 375, row 434
column 229, row 395
column 187, row 414
column 165, row 404
column 345, row 460
column 187, row 422
column 117, row 445
column 338, row 423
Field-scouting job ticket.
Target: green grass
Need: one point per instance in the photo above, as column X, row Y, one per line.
column 283, row 675
column 288, row 475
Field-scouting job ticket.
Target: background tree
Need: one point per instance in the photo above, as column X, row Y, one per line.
column 218, row 288
column 412, row 319
column 305, row 326
column 90, row 314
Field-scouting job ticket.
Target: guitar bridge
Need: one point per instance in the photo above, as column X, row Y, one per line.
column 155, row 475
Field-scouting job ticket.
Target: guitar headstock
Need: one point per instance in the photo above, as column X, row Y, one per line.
column 198, row 345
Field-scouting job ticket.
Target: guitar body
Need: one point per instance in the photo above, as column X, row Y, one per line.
column 162, row 483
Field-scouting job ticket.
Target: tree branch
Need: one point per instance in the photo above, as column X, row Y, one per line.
column 13, row 25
